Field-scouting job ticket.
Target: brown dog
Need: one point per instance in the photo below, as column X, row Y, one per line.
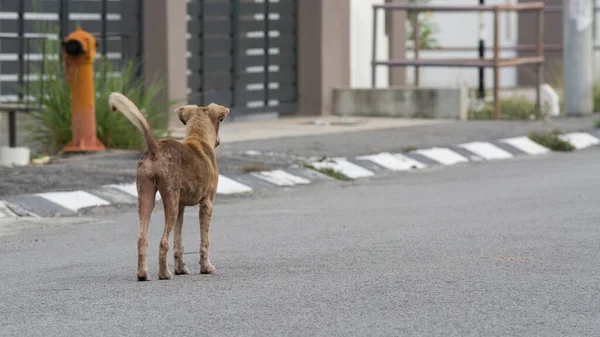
column 185, row 173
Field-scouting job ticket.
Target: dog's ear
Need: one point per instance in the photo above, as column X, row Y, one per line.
column 186, row 112
column 218, row 112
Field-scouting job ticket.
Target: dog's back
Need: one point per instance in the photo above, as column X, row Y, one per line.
column 194, row 172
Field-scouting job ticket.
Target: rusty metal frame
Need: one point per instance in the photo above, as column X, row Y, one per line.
column 495, row 63
column 548, row 47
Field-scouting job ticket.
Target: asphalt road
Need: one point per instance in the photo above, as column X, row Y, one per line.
column 492, row 249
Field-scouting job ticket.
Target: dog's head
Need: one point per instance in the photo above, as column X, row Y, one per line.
column 198, row 117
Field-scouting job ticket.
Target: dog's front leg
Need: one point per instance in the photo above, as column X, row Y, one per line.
column 180, row 268
column 205, row 217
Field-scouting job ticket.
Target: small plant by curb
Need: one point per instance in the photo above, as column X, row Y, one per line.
column 552, row 141
column 328, row 171
column 597, row 123
column 517, row 107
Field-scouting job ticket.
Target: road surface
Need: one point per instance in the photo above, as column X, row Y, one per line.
column 492, row 249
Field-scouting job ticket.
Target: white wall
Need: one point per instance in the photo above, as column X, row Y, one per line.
column 361, row 37
column 454, row 30
column 462, row 30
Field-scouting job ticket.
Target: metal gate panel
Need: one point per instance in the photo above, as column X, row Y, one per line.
column 239, row 59
column 115, row 24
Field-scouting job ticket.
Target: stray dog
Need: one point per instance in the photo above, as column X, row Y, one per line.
column 185, row 173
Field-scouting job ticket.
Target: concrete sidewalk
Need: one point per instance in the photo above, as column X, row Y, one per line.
column 307, row 126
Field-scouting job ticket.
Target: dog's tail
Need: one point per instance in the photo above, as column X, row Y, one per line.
column 119, row 102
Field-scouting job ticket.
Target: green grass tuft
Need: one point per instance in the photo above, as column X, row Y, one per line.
column 552, row 141
column 328, row 171
column 515, row 108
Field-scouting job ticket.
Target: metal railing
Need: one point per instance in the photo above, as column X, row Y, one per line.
column 548, row 47
column 495, row 63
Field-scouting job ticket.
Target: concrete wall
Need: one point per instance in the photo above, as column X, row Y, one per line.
column 447, row 103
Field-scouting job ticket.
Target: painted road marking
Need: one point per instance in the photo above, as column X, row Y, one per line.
column 580, row 140
column 526, row 145
column 230, row 186
column 443, row 155
column 281, row 178
column 74, row 200
column 343, row 166
column 394, row 162
column 486, row 150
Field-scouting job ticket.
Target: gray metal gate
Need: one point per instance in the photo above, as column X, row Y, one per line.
column 116, row 24
column 238, row 59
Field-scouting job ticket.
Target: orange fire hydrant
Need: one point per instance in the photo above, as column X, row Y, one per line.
column 79, row 54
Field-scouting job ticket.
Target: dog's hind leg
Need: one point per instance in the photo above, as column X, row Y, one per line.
column 180, row 268
column 205, row 216
column 146, row 200
column 171, row 209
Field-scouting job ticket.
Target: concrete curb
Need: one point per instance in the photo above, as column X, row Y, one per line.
column 52, row 204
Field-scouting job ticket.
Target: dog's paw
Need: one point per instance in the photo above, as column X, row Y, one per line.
column 167, row 275
column 207, row 269
column 143, row 276
column 182, row 270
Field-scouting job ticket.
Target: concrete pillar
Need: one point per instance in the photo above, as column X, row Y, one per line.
column 324, row 53
column 396, row 31
column 165, row 46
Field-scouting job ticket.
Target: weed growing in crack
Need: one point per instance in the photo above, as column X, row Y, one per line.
column 328, row 171
column 552, row 140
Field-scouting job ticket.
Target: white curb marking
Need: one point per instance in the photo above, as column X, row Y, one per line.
column 74, row 200
column 280, row 178
column 486, row 150
column 130, row 189
column 443, row 155
column 344, row 167
column 230, row 186
column 394, row 162
column 5, row 212
column 226, row 186
column 526, row 145
column 580, row 140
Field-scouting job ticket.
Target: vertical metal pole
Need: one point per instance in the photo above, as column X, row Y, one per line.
column 266, row 59
column 296, row 54
column 578, row 57
column 28, row 74
column 140, row 40
column 21, row 41
column 104, row 38
column 540, row 53
column 417, row 44
column 43, row 71
column 64, row 18
column 374, row 49
column 481, row 91
column 235, row 8
column 497, row 113
column 12, row 128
